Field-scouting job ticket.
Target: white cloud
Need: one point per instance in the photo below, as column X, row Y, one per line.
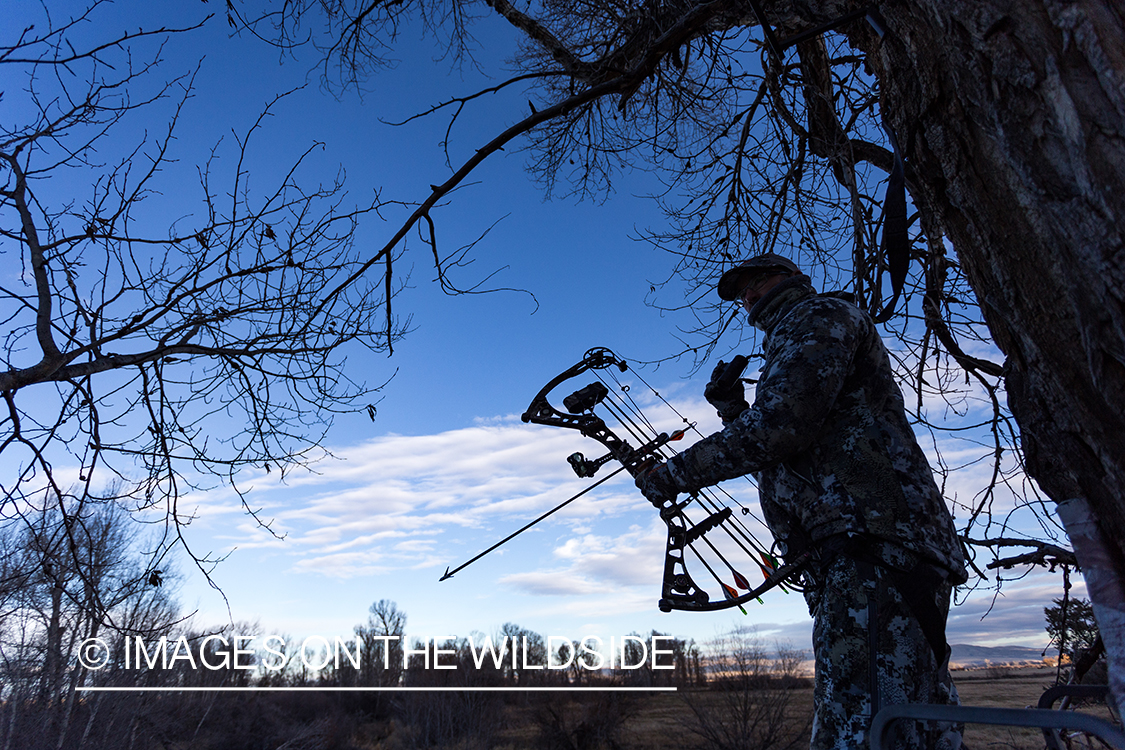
column 397, row 504
column 396, row 499
column 1012, row 616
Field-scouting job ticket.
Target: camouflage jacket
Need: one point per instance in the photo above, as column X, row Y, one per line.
column 828, row 439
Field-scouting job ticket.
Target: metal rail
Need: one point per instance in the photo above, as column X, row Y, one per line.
column 1047, row 700
column 1036, row 718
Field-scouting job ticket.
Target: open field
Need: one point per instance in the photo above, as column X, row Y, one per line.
column 666, row 721
column 1007, row 688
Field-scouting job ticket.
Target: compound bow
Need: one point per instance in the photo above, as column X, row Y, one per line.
column 679, row 590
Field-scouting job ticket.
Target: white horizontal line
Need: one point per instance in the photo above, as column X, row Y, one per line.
column 219, row 689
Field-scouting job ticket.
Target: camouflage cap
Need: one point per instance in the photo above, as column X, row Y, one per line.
column 735, row 279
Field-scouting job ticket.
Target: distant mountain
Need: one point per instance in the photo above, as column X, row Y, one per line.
column 965, row 655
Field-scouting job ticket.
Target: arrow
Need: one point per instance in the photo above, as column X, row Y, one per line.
column 449, row 573
column 768, row 568
column 731, row 593
column 740, row 580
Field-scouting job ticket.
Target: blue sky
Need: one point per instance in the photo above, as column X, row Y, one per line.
column 447, row 467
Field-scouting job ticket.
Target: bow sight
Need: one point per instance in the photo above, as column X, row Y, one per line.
column 579, row 416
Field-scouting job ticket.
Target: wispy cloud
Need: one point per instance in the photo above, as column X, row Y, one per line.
column 392, row 501
column 1012, row 616
column 397, row 504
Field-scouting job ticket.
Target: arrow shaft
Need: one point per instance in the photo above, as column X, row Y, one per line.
column 560, row 506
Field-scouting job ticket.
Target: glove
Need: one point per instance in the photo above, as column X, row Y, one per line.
column 730, row 401
column 657, row 485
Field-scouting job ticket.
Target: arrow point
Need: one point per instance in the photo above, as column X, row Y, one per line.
column 447, row 575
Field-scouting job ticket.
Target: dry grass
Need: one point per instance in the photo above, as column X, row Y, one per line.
column 662, row 721
column 1008, row 688
column 657, row 721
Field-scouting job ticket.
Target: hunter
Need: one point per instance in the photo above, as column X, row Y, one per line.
column 838, row 470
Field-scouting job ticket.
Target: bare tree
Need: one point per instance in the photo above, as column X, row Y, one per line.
column 382, row 644
column 746, row 703
column 81, row 576
column 137, row 328
column 679, row 663
column 527, row 652
column 465, row 718
column 379, row 641
column 583, row 721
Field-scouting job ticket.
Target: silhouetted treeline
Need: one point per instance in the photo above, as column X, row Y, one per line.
column 83, row 611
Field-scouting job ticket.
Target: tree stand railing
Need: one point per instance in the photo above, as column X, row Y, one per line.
column 1041, row 718
column 1047, row 700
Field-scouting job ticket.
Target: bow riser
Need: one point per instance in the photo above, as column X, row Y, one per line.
column 679, row 590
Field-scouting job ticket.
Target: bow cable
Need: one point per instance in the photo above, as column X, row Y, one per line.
column 707, row 496
column 689, row 425
column 706, row 499
column 712, row 503
column 629, row 414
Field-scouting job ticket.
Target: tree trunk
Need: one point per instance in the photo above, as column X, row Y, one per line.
column 1105, row 587
column 49, row 693
column 1012, row 115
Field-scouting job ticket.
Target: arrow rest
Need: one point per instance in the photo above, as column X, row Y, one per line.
column 675, row 510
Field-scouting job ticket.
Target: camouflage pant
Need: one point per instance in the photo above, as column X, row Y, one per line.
column 850, row 689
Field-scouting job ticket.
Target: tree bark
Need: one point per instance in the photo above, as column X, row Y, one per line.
column 1106, row 589
column 1012, row 114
